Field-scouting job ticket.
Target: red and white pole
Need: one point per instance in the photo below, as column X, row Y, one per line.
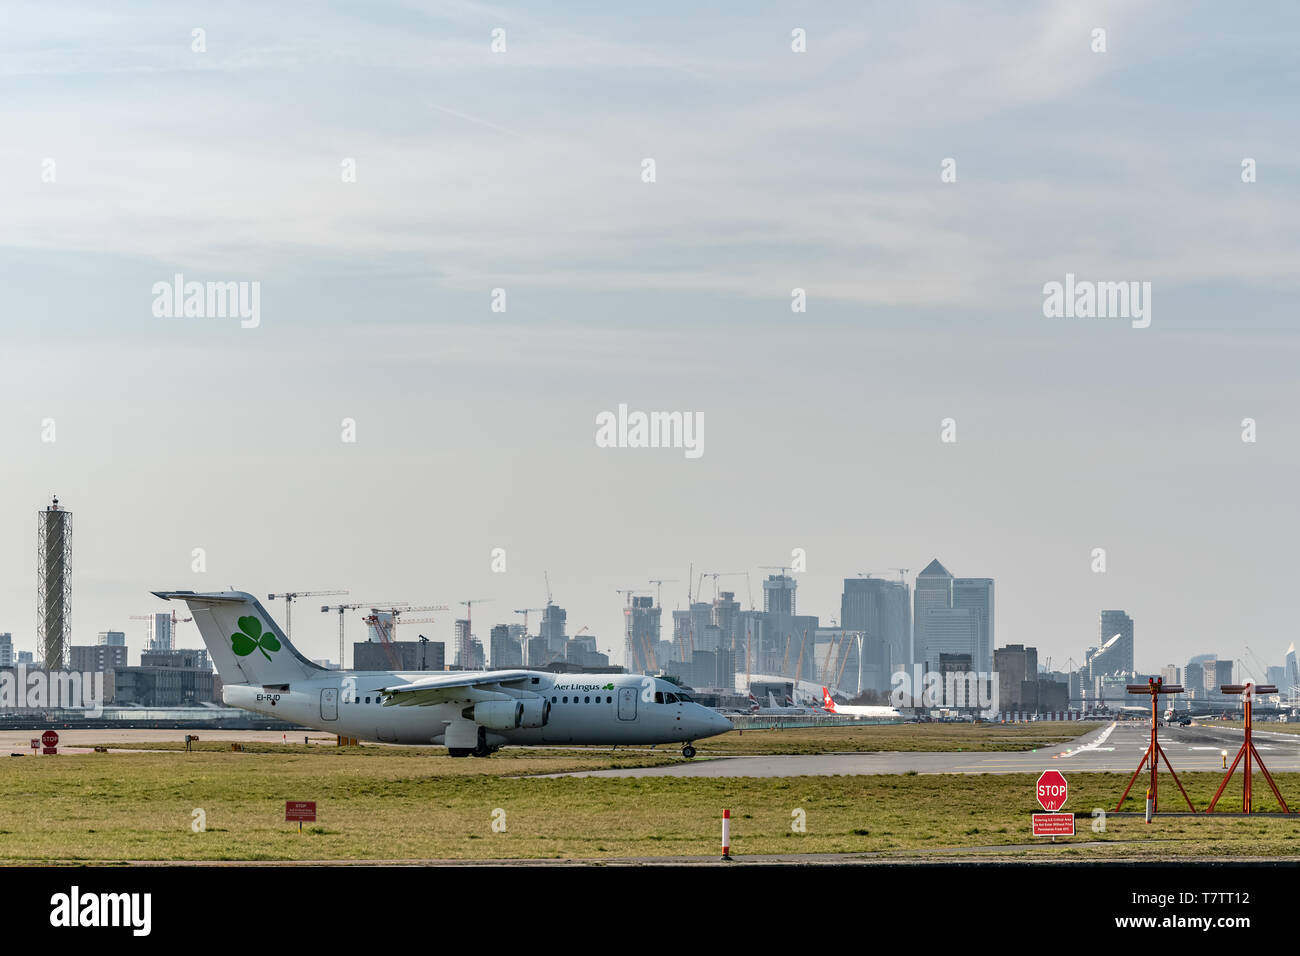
column 726, row 835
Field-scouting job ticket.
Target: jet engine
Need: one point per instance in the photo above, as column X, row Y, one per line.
column 537, row 711
column 498, row 714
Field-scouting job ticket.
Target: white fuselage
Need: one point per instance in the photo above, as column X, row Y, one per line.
column 584, row 709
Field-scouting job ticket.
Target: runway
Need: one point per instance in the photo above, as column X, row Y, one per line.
column 1113, row 748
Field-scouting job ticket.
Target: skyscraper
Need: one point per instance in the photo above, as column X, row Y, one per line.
column 681, row 636
column 1116, row 653
column 160, row 631
column 641, row 635
column 933, row 592
column 464, row 644
column 881, row 610
column 954, row 617
column 726, row 615
column 779, row 595
column 504, row 647
column 976, row 595
column 1292, row 672
column 552, row 628
column 6, row 649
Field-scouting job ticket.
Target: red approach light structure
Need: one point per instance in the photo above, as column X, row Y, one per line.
column 1155, row 687
column 1248, row 691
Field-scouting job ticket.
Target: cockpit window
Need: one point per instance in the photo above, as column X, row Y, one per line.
column 670, row 698
column 659, row 697
column 684, row 698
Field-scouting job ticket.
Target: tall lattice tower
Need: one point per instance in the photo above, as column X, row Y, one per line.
column 54, row 584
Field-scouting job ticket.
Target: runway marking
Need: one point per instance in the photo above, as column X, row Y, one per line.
column 1095, row 744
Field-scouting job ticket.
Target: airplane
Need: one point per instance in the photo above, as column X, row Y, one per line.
column 471, row 713
column 847, row 711
column 774, row 709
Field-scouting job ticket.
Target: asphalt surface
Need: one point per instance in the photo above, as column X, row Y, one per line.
column 1114, row 748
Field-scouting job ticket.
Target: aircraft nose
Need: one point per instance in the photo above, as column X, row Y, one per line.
column 718, row 723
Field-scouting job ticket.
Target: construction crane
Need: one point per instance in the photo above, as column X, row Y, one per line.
column 659, row 583
column 387, row 630
column 844, row 659
column 647, row 654
column 832, row 652
column 174, row 619
column 342, row 608
column 1262, row 676
column 525, row 611
column 798, row 670
column 469, row 624
column 719, row 574
column 289, row 598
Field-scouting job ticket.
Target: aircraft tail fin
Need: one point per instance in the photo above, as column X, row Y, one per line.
column 245, row 644
column 827, row 701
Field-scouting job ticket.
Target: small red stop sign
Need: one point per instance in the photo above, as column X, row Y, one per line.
column 50, row 739
column 1052, row 791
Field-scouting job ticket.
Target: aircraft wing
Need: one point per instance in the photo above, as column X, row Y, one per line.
column 447, row 687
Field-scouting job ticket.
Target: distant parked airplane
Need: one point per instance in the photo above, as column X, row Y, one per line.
column 848, row 711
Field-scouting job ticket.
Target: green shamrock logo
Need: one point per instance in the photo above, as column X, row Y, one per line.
column 252, row 638
column 609, row 687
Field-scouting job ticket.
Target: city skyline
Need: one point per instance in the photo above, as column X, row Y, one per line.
column 550, row 624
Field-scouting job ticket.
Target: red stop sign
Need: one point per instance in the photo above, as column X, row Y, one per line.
column 50, row 739
column 1052, row 790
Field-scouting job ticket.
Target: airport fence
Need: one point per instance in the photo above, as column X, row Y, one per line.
column 756, row 722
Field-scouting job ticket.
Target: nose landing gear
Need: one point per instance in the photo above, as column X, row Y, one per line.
column 688, row 751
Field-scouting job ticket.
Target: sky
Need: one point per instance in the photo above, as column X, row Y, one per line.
column 131, row 155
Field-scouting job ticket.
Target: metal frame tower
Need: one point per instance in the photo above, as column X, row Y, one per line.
column 54, row 584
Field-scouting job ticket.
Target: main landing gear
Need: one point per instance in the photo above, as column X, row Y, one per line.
column 481, row 747
column 482, row 750
column 688, row 751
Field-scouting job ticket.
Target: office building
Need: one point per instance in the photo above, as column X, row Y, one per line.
column 641, row 635
column 552, row 628
column 422, row 655
column 779, row 595
column 976, row 596
column 196, row 657
column 112, row 638
column 1014, row 664
column 881, row 610
column 96, row 657
column 504, row 647
column 160, row 631
column 1115, row 655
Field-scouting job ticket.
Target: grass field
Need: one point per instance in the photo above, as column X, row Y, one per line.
column 799, row 740
column 896, row 737
column 385, row 803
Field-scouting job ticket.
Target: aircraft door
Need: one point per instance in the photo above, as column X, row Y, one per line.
column 329, row 703
column 627, row 703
